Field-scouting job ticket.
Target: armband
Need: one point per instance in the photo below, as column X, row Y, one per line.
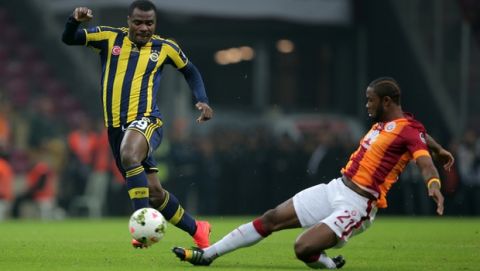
column 434, row 180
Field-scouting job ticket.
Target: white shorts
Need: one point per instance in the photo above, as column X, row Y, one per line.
column 340, row 208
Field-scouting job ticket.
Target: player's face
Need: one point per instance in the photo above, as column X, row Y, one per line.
column 141, row 26
column 374, row 105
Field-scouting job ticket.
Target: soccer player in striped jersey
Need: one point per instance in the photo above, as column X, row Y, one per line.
column 346, row 206
column 132, row 60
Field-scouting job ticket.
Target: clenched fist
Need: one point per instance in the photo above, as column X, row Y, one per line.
column 82, row 14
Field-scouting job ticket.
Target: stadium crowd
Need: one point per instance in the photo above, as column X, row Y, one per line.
column 224, row 171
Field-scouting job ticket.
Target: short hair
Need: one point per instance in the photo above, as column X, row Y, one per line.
column 144, row 5
column 387, row 86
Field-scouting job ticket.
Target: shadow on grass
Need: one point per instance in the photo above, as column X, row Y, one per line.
column 249, row 266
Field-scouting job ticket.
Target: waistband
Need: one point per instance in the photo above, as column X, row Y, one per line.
column 355, row 188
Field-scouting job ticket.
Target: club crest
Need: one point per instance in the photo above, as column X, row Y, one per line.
column 390, row 126
column 154, row 56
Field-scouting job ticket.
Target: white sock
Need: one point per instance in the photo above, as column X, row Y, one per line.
column 324, row 262
column 244, row 236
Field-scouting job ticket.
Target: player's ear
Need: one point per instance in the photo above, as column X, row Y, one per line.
column 387, row 100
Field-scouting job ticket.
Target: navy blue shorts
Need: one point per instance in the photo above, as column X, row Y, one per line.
column 151, row 128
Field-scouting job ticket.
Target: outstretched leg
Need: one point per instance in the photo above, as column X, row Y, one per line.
column 279, row 218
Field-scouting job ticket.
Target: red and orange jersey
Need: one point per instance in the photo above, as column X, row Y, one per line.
column 383, row 154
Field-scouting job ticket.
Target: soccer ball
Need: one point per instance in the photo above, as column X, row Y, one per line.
column 147, row 226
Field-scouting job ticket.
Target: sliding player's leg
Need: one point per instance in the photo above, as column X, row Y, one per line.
column 310, row 248
column 330, row 222
column 279, row 218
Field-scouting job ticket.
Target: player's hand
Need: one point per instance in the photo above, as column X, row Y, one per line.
column 434, row 192
column 206, row 112
column 82, row 14
column 446, row 158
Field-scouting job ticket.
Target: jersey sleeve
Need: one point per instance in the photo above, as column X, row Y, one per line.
column 416, row 142
column 175, row 54
column 97, row 37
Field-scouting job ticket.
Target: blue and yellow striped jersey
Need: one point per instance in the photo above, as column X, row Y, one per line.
column 131, row 75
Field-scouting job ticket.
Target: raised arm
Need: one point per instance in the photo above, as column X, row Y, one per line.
column 71, row 34
column 432, row 180
column 444, row 156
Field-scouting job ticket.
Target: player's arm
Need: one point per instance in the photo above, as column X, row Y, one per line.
column 432, row 180
column 444, row 156
column 71, row 34
column 195, row 81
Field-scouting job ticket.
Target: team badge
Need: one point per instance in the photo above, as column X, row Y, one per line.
column 422, row 138
column 390, row 126
column 154, row 56
column 116, row 50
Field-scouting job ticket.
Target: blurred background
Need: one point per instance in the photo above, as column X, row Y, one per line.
column 287, row 82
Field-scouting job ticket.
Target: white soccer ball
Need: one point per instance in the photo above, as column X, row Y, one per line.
column 147, row 226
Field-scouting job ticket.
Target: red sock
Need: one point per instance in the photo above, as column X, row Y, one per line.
column 311, row 259
column 258, row 225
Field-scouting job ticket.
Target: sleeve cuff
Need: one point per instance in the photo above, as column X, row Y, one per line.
column 420, row 153
column 72, row 20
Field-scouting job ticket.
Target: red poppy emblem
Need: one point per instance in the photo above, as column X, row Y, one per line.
column 116, row 50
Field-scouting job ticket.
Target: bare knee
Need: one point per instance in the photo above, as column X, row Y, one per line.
column 130, row 156
column 305, row 251
column 314, row 241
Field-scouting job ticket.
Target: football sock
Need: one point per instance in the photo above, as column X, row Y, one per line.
column 175, row 214
column 244, row 236
column 137, row 186
column 321, row 261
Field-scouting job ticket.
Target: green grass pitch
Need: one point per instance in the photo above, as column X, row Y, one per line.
column 437, row 243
